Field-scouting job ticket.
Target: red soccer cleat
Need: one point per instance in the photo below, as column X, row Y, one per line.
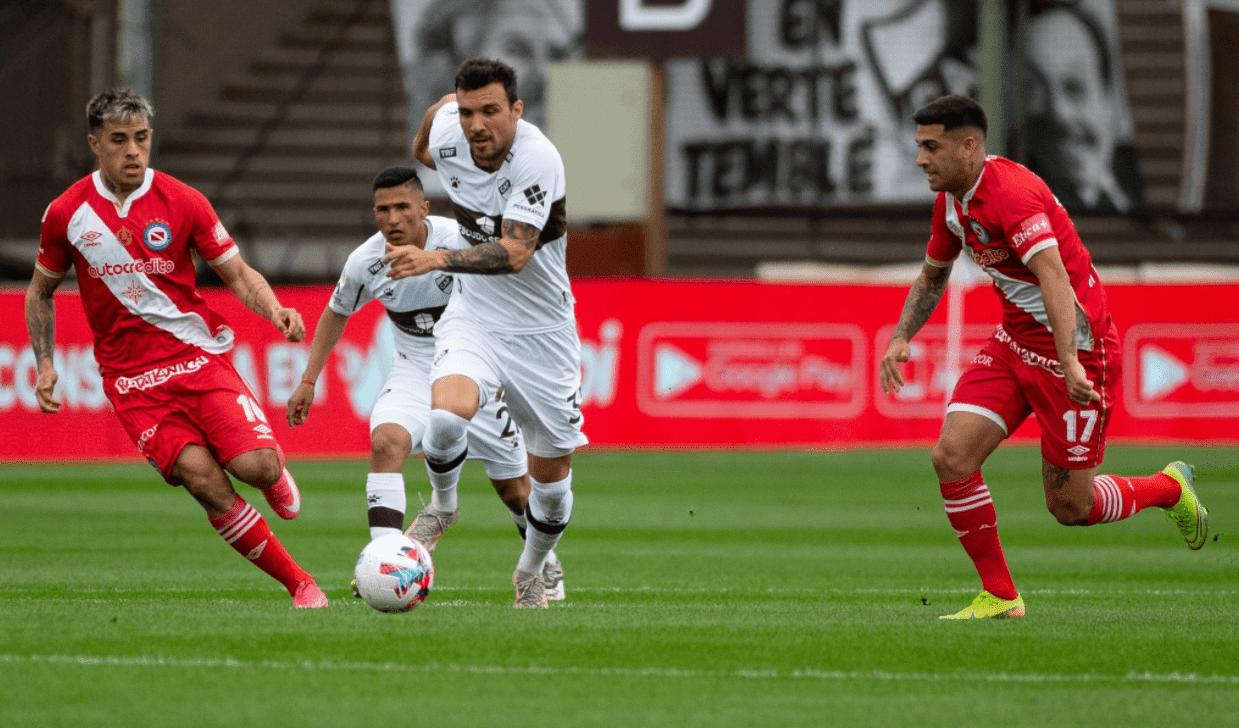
column 309, row 596
column 284, row 497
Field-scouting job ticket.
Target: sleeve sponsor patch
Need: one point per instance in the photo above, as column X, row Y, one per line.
column 220, row 233
column 1030, row 229
column 445, row 152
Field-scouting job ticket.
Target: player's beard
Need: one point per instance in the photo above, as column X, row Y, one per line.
column 496, row 152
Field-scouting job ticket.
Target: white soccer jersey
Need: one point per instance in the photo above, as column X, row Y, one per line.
column 529, row 187
column 414, row 304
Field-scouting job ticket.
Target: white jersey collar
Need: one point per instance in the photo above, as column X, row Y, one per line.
column 969, row 194
column 105, row 193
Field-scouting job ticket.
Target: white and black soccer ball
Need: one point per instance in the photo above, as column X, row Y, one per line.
column 394, row 573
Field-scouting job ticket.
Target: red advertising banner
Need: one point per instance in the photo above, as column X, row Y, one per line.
column 695, row 364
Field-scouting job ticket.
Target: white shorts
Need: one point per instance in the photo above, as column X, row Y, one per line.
column 539, row 375
column 404, row 400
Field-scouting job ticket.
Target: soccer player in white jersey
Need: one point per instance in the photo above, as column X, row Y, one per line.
column 510, row 323
column 402, row 409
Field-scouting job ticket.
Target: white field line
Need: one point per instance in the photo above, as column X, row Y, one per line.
column 807, row 674
column 925, row 591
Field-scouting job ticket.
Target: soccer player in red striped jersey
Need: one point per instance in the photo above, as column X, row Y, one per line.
column 1055, row 354
column 131, row 233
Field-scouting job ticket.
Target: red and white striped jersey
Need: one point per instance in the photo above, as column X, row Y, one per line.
column 1009, row 216
column 135, row 268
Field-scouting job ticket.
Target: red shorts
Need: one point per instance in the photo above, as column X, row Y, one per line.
column 1007, row 382
column 199, row 401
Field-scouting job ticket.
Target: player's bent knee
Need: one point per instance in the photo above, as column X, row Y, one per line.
column 550, row 469
column 457, row 394
column 1068, row 512
column 446, row 429
column 205, row 480
column 952, row 463
column 259, row 468
column 390, row 442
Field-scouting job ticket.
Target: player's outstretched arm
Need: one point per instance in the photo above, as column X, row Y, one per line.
column 421, row 142
column 1060, row 309
column 41, row 326
column 508, row 254
column 254, row 291
column 922, row 300
column 326, row 335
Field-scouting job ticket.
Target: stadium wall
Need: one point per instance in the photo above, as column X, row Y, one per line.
column 681, row 364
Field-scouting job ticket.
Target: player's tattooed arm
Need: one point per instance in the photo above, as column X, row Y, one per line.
column 254, row 291
column 41, row 326
column 1063, row 312
column 922, row 300
column 509, row 254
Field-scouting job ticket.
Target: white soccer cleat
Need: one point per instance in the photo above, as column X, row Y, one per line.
column 553, row 580
column 530, row 593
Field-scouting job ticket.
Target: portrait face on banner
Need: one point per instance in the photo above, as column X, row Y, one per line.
column 434, row 37
column 1080, row 136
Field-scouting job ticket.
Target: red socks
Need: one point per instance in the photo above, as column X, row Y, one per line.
column 1116, row 497
column 247, row 531
column 970, row 510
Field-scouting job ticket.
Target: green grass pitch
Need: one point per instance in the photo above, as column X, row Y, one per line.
column 704, row 589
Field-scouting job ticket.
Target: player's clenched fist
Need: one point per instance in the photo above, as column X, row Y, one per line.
column 1079, row 386
column 299, row 404
column 898, row 352
column 45, row 390
column 289, row 322
column 410, row 260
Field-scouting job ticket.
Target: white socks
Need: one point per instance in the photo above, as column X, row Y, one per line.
column 385, row 490
column 522, row 525
column 445, row 445
column 550, row 508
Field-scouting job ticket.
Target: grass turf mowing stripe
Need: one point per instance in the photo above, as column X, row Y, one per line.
column 645, row 672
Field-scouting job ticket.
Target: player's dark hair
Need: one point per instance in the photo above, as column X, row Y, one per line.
column 477, row 72
column 116, row 104
column 953, row 112
column 396, row 176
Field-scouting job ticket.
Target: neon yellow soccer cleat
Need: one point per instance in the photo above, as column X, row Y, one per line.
column 988, row 606
column 1188, row 514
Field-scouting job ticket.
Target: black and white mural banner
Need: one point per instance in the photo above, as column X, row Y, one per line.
column 820, row 111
